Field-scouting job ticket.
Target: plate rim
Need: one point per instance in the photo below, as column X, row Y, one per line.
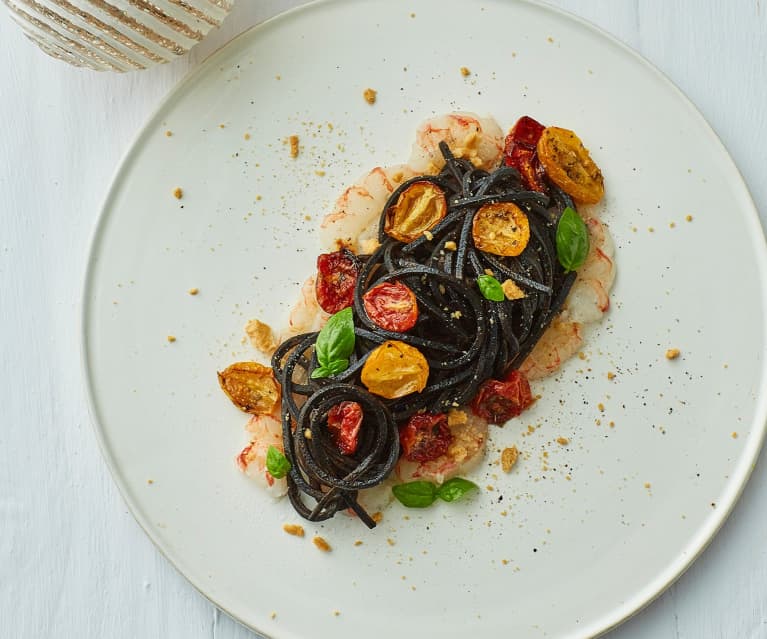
column 739, row 479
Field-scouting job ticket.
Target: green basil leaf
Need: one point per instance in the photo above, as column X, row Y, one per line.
column 276, row 463
column 415, row 494
column 455, row 488
column 333, row 368
column 490, row 288
column 335, row 344
column 572, row 240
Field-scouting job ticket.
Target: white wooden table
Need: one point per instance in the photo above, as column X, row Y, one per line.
column 73, row 563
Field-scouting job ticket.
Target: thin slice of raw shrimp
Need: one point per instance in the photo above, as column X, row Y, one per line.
column 479, row 140
column 264, row 431
column 561, row 340
column 464, row 453
column 353, row 223
column 589, row 297
column 306, row 315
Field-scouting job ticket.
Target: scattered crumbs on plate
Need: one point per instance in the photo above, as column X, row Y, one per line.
column 246, row 136
column 610, row 375
column 550, row 39
column 278, row 77
column 171, row 338
column 601, row 407
column 294, row 529
column 390, row 541
column 563, row 441
column 169, row 134
column 358, row 542
column 193, row 291
column 323, row 545
column 688, row 218
column 451, row 246
column 370, row 95
column 222, row 126
column 734, row 434
column 490, row 488
column 320, row 173
column 509, row 457
column 377, row 517
column 178, row 193
column 336, row 613
column 293, row 140
column 581, row 355
column 412, row 15
column 273, row 615
column 465, row 71
column 673, row 353
column 261, row 336
column 672, row 225
column 308, row 218
column 612, row 424
column 651, row 229
column 151, row 481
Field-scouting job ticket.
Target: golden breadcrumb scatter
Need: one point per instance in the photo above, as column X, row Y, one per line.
column 168, row 134
column 307, row 433
column 688, row 218
column 261, row 336
column 451, row 246
column 358, row 542
column 293, row 140
column 222, row 126
column 319, row 173
column 150, row 481
column 171, row 338
column 273, row 615
column 390, row 541
column 193, row 291
column 428, row 235
column 456, row 417
column 563, row 441
column 247, row 136
column 610, row 375
column 178, row 193
column 509, row 457
column 323, row 545
column 601, row 407
column 336, row 613
column 465, row 71
column 377, row 517
column 370, row 95
column 550, row 39
column 734, row 435
column 673, row 353
column 294, row 529
column 512, row 291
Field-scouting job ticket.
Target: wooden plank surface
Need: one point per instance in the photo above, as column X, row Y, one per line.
column 73, row 563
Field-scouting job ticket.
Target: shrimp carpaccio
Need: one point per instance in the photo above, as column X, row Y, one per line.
column 353, row 224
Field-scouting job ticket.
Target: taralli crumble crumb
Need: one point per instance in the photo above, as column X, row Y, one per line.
column 323, row 545
column 509, row 457
column 377, row 517
column 451, row 246
column 261, row 336
column 370, row 95
column 193, row 291
column 294, row 529
column 293, row 140
column 734, row 434
column 673, row 353
column 168, row 134
column 512, row 291
column 178, row 193
column 563, row 441
column 688, row 218
column 465, row 71
column 358, row 542
column 171, row 338
column 610, row 375
column 456, row 417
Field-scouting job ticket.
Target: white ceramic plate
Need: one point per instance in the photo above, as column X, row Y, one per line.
column 568, row 544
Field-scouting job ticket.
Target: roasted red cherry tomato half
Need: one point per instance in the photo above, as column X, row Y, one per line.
column 344, row 422
column 499, row 401
column 336, row 279
column 520, row 152
column 425, row 437
column 392, row 306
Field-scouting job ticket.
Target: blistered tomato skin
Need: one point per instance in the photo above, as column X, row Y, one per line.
column 569, row 165
column 499, row 401
column 251, row 387
column 418, row 209
column 336, row 279
column 425, row 436
column 501, row 228
column 392, row 306
column 344, row 422
column 395, row 369
column 520, row 152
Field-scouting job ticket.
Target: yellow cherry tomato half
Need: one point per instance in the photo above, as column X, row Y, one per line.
column 395, row 369
column 418, row 209
column 501, row 228
column 569, row 165
column 251, row 387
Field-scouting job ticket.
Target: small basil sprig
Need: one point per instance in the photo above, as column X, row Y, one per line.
column 490, row 288
column 572, row 240
column 421, row 494
column 276, row 463
column 334, row 345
